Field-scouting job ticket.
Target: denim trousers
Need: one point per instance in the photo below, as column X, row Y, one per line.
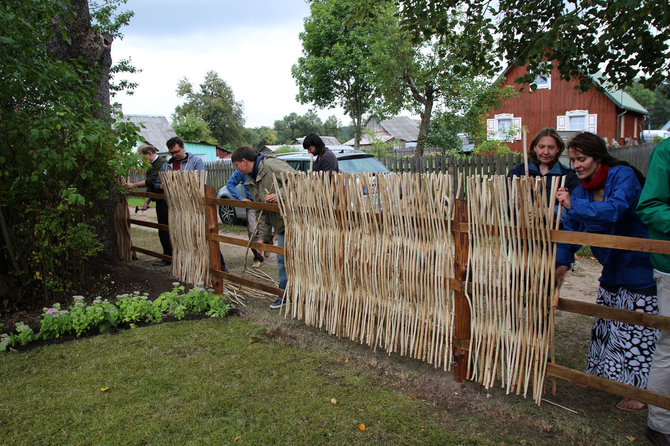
column 281, row 269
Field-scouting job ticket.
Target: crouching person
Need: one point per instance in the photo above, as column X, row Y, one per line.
column 261, row 170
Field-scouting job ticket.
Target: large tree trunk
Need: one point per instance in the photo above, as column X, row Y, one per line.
column 94, row 49
column 425, row 123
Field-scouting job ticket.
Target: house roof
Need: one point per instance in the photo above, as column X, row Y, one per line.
column 367, row 140
column 157, row 130
column 402, row 128
column 619, row 97
column 327, row 140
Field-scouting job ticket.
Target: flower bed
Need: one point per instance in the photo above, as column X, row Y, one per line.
column 129, row 309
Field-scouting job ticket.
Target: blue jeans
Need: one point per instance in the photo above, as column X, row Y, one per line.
column 281, row 269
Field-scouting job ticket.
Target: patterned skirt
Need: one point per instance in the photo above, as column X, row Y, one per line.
column 619, row 351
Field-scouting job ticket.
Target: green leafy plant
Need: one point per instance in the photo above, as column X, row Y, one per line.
column 80, row 318
column 137, row 307
column 25, row 333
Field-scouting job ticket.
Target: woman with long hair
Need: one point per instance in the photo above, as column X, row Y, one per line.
column 605, row 203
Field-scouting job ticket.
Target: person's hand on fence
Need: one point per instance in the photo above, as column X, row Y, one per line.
column 563, row 197
column 271, row 198
column 144, row 207
column 245, row 199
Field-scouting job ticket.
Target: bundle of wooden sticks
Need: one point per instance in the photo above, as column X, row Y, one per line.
column 511, row 269
column 184, row 191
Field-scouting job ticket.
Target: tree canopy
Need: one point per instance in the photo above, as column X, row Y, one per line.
column 335, row 66
column 215, row 104
column 656, row 102
column 623, row 40
column 294, row 126
column 192, row 128
column 442, row 67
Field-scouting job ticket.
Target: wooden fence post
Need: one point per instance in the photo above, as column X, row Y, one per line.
column 461, row 307
column 212, row 227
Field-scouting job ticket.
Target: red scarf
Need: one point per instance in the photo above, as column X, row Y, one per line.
column 598, row 180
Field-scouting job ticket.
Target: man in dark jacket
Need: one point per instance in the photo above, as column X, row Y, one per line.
column 151, row 154
column 326, row 160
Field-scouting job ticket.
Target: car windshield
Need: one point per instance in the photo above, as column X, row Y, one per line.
column 361, row 164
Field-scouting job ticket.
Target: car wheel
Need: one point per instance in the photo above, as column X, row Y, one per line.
column 227, row 215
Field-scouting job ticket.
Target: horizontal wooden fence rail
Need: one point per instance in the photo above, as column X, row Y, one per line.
column 245, row 242
column 148, row 224
column 615, row 314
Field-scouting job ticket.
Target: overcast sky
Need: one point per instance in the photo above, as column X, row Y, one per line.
column 251, row 44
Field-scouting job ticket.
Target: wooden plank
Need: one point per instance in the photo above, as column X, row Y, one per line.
column 461, row 306
column 248, row 283
column 611, row 241
column 591, row 239
column 274, row 207
column 137, row 193
column 212, row 228
column 615, row 314
column 149, row 224
column 151, row 253
column 617, row 388
column 245, row 242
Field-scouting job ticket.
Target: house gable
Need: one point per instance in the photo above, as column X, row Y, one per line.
column 611, row 114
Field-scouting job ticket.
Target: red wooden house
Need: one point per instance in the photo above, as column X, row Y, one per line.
column 610, row 113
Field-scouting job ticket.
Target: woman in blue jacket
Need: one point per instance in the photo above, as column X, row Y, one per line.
column 545, row 150
column 605, row 203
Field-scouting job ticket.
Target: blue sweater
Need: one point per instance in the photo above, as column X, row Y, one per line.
column 558, row 170
column 614, row 215
column 236, row 178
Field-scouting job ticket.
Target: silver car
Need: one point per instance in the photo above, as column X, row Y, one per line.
column 348, row 160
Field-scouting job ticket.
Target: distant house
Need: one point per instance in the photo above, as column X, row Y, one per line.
column 154, row 130
column 400, row 130
column 612, row 114
column 327, row 140
column 208, row 152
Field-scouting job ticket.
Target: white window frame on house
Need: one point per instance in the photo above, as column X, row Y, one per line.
column 563, row 122
column 493, row 128
column 543, row 82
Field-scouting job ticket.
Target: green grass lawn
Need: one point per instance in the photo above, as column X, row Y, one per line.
column 232, row 381
column 205, row 382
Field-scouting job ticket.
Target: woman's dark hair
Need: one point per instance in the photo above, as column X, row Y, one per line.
column 313, row 140
column 547, row 131
column 594, row 146
column 244, row 152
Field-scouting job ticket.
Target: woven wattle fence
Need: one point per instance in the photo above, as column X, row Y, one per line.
column 511, row 268
column 190, row 252
column 369, row 258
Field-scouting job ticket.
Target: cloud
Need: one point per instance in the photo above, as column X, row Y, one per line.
column 254, row 56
